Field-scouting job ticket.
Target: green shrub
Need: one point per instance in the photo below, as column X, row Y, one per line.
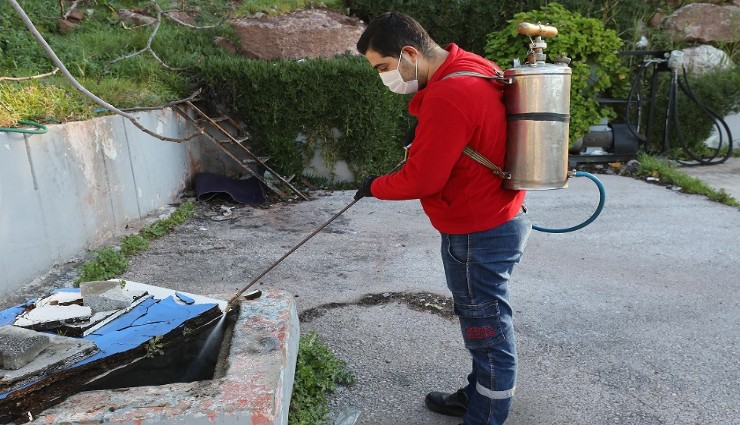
column 597, row 70
column 719, row 91
column 318, row 371
column 468, row 22
column 133, row 244
column 464, row 22
column 282, row 99
column 108, row 263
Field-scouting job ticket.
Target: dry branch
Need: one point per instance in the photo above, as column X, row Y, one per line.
column 190, row 98
column 71, row 8
column 53, row 56
column 34, row 77
column 185, row 24
column 148, row 47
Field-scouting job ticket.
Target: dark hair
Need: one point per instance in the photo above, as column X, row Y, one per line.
column 389, row 32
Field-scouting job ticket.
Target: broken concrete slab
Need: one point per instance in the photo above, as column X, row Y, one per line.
column 19, row 346
column 60, row 353
column 99, row 319
column 252, row 385
column 50, row 316
column 104, row 296
column 159, row 322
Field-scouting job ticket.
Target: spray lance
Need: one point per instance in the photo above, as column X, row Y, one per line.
column 537, row 99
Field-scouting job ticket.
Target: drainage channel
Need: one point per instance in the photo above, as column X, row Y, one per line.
column 192, row 359
column 245, row 377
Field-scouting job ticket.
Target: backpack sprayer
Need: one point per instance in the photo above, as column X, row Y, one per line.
column 537, row 99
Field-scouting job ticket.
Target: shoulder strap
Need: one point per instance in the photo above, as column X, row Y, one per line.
column 470, row 152
column 470, row 74
column 479, row 158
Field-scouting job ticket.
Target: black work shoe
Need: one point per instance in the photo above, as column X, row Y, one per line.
column 455, row 404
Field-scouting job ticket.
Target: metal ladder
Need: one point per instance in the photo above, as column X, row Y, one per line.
column 231, row 145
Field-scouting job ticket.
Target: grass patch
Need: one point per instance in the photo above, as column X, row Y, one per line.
column 318, row 372
column 110, row 262
column 161, row 227
column 655, row 167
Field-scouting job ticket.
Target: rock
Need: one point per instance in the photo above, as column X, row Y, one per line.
column 656, row 21
column 19, row 346
column 181, row 16
column 132, row 17
column 308, row 33
column 64, row 26
column 225, row 43
column 76, row 16
column 104, row 296
column 705, row 23
column 704, row 59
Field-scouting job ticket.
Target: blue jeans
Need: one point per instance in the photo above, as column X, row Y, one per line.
column 478, row 267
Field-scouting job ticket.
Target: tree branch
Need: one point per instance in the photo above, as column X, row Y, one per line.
column 48, row 74
column 53, row 56
column 185, row 24
column 71, row 8
column 148, row 47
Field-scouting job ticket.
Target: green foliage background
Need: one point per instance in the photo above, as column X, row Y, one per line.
column 597, row 70
column 468, row 22
column 282, row 99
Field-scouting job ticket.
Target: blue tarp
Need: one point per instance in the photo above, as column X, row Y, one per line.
column 132, row 329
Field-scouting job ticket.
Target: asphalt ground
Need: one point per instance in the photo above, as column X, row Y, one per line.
column 634, row 319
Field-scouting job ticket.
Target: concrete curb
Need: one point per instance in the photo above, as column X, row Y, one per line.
column 254, row 388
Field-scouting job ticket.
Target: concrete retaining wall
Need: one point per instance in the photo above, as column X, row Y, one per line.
column 80, row 184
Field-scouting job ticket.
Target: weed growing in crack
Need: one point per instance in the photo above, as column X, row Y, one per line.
column 318, row 372
column 110, row 262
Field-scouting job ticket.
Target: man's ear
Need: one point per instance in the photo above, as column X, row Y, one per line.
column 411, row 52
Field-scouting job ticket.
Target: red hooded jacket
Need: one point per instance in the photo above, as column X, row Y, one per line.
column 458, row 194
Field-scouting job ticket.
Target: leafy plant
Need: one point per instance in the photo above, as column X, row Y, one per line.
column 163, row 226
column 154, row 347
column 133, row 244
column 108, row 263
column 596, row 68
column 318, row 372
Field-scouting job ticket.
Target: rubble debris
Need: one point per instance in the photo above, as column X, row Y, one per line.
column 19, row 346
column 104, row 296
column 55, row 365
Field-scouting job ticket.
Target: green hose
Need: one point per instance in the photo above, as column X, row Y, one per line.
column 40, row 128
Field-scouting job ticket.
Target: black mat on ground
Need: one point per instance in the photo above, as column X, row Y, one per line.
column 248, row 191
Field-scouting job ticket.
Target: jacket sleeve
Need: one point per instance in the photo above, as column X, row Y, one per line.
column 441, row 134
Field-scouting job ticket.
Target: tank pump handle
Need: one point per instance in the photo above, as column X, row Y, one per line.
column 537, row 30
column 537, row 47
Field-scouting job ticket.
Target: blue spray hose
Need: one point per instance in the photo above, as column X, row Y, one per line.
column 602, row 199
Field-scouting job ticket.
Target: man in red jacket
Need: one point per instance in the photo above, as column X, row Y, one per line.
column 483, row 226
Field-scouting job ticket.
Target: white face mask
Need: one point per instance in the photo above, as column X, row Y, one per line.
column 394, row 81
